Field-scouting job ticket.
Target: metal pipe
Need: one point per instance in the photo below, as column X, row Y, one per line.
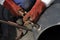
column 15, row 25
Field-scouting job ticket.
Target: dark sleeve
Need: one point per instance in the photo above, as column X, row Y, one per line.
column 6, row 15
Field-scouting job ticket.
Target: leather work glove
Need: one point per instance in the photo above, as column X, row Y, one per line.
column 36, row 10
column 12, row 7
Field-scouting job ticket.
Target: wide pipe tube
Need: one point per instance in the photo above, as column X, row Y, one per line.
column 50, row 33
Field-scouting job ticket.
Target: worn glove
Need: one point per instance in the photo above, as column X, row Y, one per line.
column 34, row 13
column 36, row 10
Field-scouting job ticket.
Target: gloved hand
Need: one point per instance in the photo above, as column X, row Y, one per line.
column 37, row 9
column 12, row 7
column 34, row 13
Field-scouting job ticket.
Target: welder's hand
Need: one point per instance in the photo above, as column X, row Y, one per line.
column 32, row 16
column 34, row 13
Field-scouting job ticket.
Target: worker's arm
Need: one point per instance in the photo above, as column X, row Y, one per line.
column 37, row 9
